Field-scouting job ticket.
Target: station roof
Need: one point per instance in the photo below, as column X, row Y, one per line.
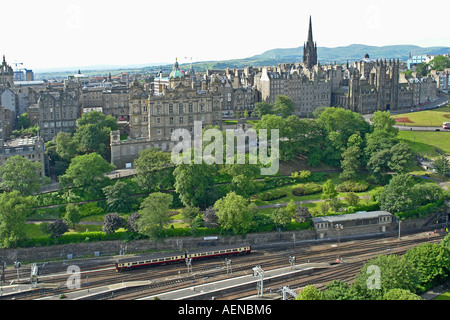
column 360, row 215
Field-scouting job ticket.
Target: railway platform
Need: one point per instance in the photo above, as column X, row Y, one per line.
column 205, row 291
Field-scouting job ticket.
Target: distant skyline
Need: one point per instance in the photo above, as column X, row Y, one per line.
column 53, row 34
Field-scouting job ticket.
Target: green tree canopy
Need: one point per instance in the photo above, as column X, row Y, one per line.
column 283, row 106
column 386, row 272
column 233, row 213
column 195, row 184
column 432, row 262
column 154, row 169
column 310, row 292
column 154, row 214
column 14, row 210
column 262, row 108
column 17, row 173
column 338, row 125
column 118, row 197
column 86, row 173
column 329, row 191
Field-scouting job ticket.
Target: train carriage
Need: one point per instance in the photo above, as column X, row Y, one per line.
column 161, row 259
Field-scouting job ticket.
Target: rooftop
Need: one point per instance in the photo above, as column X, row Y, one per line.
column 360, row 215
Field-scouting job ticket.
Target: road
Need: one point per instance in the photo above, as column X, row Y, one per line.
column 440, row 102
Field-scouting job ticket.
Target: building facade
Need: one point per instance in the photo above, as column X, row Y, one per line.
column 31, row 149
column 59, row 110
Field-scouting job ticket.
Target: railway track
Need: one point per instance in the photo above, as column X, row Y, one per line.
column 171, row 277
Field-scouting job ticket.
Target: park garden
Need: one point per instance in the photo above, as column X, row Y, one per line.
column 371, row 171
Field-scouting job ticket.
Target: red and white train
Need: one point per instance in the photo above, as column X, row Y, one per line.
column 161, row 259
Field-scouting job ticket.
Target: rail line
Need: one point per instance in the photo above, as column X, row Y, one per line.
column 170, row 277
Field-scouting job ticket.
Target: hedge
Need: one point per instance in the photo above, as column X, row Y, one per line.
column 306, row 189
column 352, row 186
column 273, row 195
column 422, row 211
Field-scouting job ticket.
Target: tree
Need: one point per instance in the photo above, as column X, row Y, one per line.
column 93, row 138
column 233, row 213
column 17, row 173
column 86, row 173
column 442, row 166
column 57, row 228
column 400, row 294
column 14, row 210
column 283, row 106
column 154, row 214
column 112, row 222
column 302, row 214
column 432, row 262
column 281, row 218
column 329, row 191
column 422, row 69
column 118, row 197
column 195, row 184
column 310, row 292
column 189, row 214
column 398, row 196
column 242, row 177
column 262, row 108
column 338, row 126
column 339, row 290
column 386, row 272
column 72, row 214
column 352, row 199
column 93, row 133
column 439, row 63
column 384, row 134
column 66, row 146
column 210, row 219
column 378, row 164
column 23, row 122
column 132, row 222
column 351, row 161
column 154, row 170
column 401, row 157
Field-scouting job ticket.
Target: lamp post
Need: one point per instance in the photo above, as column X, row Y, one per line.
column 338, row 228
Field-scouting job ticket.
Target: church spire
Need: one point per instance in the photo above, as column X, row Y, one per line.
column 310, row 36
column 310, row 49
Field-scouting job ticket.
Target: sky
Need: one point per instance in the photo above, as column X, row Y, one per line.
column 67, row 33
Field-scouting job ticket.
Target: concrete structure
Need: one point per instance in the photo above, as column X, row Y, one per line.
column 352, row 224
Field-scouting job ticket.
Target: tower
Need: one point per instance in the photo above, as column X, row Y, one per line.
column 310, row 49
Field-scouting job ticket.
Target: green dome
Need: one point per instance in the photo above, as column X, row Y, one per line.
column 176, row 72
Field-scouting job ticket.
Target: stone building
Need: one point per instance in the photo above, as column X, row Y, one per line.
column 377, row 85
column 306, row 91
column 6, row 75
column 115, row 102
column 59, row 109
column 307, row 84
column 155, row 116
column 31, row 149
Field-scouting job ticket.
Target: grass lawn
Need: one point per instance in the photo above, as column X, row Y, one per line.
column 426, row 118
column 445, row 296
column 425, row 143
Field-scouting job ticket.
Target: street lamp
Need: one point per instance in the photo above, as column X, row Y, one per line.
column 338, row 228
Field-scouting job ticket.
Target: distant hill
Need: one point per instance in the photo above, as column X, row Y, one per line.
column 326, row 55
column 272, row 58
column 355, row 52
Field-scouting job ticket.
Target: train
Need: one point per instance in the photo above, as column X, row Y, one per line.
column 162, row 259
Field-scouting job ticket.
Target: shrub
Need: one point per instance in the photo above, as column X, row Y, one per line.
column 307, row 188
column 353, row 186
column 273, row 195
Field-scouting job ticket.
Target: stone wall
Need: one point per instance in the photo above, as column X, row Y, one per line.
column 110, row 248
